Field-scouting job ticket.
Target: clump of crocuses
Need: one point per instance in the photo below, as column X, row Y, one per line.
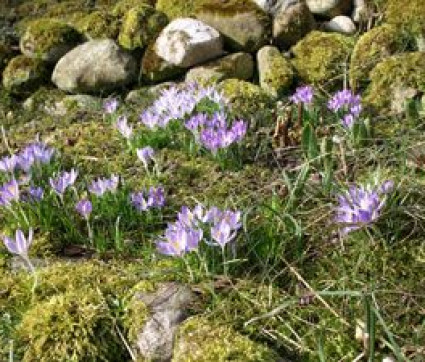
column 213, row 227
column 361, row 206
column 347, row 105
column 303, row 95
column 143, row 201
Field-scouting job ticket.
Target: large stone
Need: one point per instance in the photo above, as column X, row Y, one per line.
column 362, row 9
column 321, row 58
column 243, row 24
column 275, row 71
column 187, row 42
column 372, row 47
column 95, row 66
column 238, row 65
column 273, row 6
column 140, row 26
column 23, row 75
column 154, row 69
column 167, row 308
column 48, row 40
column 329, row 8
column 395, row 80
column 291, row 23
column 341, row 24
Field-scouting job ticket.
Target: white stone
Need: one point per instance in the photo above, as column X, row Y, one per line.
column 360, row 10
column 186, row 42
column 329, row 8
column 273, row 6
column 341, row 24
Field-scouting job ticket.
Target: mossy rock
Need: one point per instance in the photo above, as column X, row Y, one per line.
column 400, row 76
column 372, row 47
column 409, row 15
column 98, row 24
column 123, row 6
column 244, row 26
column 238, row 65
column 178, row 9
column 154, row 69
column 245, row 98
column 321, row 58
column 275, row 71
column 48, row 40
column 201, row 340
column 140, row 26
column 23, row 75
column 72, row 326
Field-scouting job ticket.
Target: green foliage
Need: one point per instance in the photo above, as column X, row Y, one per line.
column 98, row 24
column 407, row 15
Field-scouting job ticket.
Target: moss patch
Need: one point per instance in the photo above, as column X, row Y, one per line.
column 48, row 39
column 99, row 24
column 276, row 72
column 393, row 75
column 123, row 6
column 140, row 26
column 372, row 47
column 320, row 58
column 407, row 14
column 23, row 75
column 71, row 326
column 199, row 339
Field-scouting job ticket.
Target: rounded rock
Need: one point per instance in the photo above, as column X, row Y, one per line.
column 95, row 66
column 341, row 24
column 292, row 23
column 186, row 42
column 329, row 8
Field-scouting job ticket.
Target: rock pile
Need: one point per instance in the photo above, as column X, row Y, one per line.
column 277, row 43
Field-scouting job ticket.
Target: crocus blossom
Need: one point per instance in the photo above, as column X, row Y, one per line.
column 303, row 95
column 63, row 181
column 20, row 244
column 84, row 208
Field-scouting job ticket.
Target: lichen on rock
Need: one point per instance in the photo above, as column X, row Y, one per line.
column 98, row 24
column 322, row 58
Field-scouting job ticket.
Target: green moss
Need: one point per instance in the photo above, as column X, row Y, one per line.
column 407, row 15
column 320, row 58
column 155, row 69
column 98, row 24
column 199, row 339
column 140, row 26
column 72, row 326
column 392, row 75
column 277, row 74
column 372, row 47
column 48, row 39
column 23, row 75
column 246, row 98
column 137, row 312
column 123, row 6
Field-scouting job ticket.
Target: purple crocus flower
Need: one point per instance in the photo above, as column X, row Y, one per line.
column 9, row 192
column 348, row 120
column 123, row 127
column 63, row 181
column 84, row 208
column 191, row 218
column 303, row 95
column 222, row 233
column 145, row 155
column 386, row 187
column 179, row 240
column 239, row 129
column 139, row 201
column 110, row 105
column 101, row 185
column 8, row 163
column 358, row 207
column 19, row 245
column 156, row 197
column 36, row 193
